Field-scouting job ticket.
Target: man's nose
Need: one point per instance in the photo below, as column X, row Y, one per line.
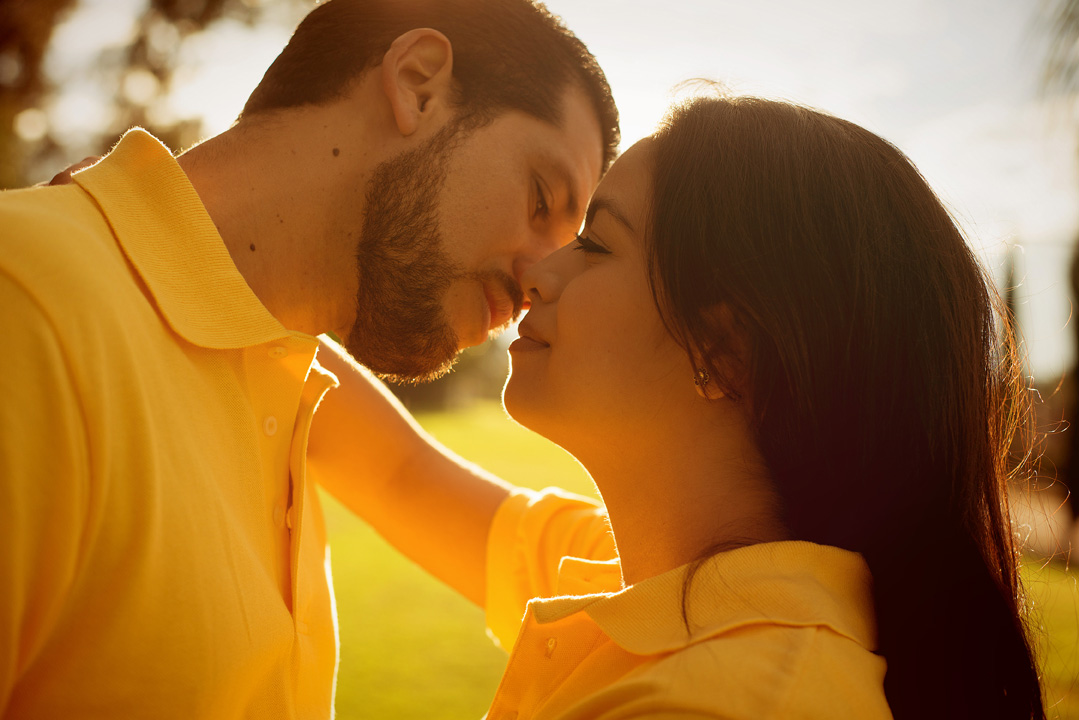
column 524, row 263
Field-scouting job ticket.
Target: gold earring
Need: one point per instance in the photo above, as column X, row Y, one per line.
column 701, row 378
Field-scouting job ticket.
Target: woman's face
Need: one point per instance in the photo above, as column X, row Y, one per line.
column 594, row 360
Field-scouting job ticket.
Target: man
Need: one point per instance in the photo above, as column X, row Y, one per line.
column 397, row 169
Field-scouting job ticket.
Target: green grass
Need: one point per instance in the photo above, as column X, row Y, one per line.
column 411, row 648
column 1055, row 593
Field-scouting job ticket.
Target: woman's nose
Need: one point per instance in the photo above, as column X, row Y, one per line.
column 542, row 282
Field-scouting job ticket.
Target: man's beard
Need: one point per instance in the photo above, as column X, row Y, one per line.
column 401, row 331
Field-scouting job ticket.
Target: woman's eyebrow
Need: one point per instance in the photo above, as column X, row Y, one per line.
column 602, row 203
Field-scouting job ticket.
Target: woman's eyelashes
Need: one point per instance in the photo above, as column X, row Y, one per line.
column 588, row 245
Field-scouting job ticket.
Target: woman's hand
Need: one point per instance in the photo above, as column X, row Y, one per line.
column 64, row 176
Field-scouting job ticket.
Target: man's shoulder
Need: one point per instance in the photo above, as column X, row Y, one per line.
column 45, row 208
column 57, row 246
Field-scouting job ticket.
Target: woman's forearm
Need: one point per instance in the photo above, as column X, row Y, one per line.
column 370, row 454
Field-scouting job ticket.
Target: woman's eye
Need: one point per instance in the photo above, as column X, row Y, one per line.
column 588, row 245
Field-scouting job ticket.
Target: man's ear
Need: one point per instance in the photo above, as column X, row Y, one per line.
column 417, row 77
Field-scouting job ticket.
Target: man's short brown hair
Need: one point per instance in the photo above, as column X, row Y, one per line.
column 507, row 55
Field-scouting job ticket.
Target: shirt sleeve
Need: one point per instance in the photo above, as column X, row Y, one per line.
column 530, row 534
column 43, row 482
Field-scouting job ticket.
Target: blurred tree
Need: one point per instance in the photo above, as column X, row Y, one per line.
column 25, row 30
column 1061, row 79
column 137, row 76
column 1061, row 72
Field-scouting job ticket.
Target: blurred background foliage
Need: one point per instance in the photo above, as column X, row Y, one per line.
column 1060, row 19
column 136, row 74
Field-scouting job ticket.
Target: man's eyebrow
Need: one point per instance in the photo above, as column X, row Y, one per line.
column 602, row 203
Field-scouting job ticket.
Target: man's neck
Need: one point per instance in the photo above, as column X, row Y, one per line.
column 271, row 192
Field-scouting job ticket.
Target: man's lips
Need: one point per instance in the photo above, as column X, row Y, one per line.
column 504, row 300
column 501, row 310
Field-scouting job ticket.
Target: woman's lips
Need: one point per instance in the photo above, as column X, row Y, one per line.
column 527, row 344
column 528, row 340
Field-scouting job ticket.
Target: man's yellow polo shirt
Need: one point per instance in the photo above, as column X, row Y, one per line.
column 162, row 554
column 777, row 630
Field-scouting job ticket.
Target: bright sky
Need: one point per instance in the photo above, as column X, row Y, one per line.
column 951, row 82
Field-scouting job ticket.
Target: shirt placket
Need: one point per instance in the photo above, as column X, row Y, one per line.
column 312, row 590
column 278, row 371
column 544, row 655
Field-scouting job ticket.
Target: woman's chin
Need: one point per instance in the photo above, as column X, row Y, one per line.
column 513, row 403
column 527, row 406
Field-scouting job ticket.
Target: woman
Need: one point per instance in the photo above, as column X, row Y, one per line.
column 778, row 359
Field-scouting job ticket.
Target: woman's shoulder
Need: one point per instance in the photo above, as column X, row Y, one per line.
column 779, row 671
column 780, row 630
column 759, row 671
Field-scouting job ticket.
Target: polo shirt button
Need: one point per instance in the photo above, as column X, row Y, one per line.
column 278, row 352
column 551, row 643
column 269, row 425
column 279, row 516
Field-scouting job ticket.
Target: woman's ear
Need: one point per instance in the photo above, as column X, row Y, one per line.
column 728, row 352
column 417, row 78
column 707, row 386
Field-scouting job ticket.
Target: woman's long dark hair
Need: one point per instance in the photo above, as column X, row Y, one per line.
column 881, row 375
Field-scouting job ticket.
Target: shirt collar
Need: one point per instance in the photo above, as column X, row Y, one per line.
column 796, row 584
column 169, row 238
